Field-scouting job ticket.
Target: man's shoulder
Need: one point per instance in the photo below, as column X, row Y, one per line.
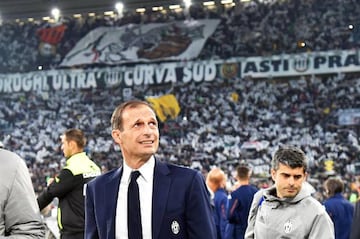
column 11, row 162
column 105, row 176
column 312, row 204
column 10, row 159
column 336, row 201
column 177, row 172
column 13, row 166
column 246, row 189
column 180, row 169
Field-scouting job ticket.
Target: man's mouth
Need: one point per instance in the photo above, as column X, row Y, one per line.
column 147, row 142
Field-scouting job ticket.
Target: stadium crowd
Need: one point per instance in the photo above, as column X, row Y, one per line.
column 210, row 130
column 265, row 27
column 216, row 118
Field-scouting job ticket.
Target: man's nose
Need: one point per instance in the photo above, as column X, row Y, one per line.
column 147, row 129
column 291, row 180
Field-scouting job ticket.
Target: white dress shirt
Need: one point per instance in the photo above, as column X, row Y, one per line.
column 145, row 182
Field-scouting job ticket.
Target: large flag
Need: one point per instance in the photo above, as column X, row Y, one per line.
column 133, row 43
column 165, row 106
column 50, row 37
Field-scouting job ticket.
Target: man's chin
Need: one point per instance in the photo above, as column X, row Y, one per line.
column 148, row 153
column 290, row 194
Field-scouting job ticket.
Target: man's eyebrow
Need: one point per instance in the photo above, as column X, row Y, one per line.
column 289, row 174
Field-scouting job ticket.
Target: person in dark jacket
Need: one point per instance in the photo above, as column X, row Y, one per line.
column 339, row 209
column 240, row 202
column 172, row 200
column 355, row 228
column 69, row 185
column 216, row 182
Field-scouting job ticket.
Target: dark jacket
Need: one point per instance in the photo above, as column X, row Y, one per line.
column 68, row 187
column 355, row 229
column 238, row 209
column 341, row 213
column 220, row 203
column 180, row 204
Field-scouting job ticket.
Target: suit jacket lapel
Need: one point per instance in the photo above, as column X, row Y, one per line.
column 111, row 191
column 160, row 194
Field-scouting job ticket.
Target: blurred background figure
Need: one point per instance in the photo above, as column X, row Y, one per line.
column 19, row 213
column 240, row 202
column 68, row 186
column 355, row 228
column 339, row 209
column 216, row 182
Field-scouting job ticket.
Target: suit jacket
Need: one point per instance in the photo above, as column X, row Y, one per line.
column 355, row 229
column 180, row 204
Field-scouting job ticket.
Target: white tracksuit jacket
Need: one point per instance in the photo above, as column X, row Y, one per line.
column 292, row 218
column 19, row 212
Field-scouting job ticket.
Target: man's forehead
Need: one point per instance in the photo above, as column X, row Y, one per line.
column 146, row 112
column 288, row 170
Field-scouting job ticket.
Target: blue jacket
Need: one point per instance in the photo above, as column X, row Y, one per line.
column 179, row 195
column 341, row 212
column 238, row 210
column 220, row 203
column 355, row 229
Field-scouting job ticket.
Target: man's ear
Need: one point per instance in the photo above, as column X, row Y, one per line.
column 72, row 144
column 273, row 174
column 116, row 135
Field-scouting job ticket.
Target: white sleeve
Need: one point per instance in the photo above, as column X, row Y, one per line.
column 22, row 214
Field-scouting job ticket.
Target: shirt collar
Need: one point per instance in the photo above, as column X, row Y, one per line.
column 146, row 170
column 75, row 156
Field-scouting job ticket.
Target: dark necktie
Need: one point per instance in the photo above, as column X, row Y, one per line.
column 134, row 215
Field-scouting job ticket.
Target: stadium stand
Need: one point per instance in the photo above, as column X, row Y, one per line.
column 217, row 118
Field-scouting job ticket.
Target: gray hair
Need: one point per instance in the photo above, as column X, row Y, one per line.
column 290, row 156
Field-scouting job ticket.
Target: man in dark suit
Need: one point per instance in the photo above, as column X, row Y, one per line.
column 174, row 201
